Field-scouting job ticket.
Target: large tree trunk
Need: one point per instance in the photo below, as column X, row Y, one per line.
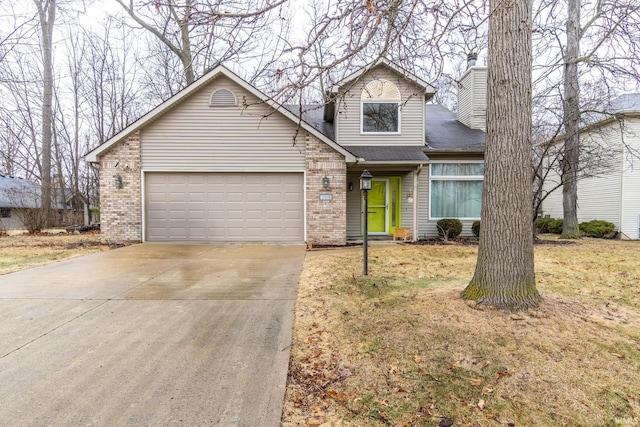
column 47, row 14
column 504, row 275
column 571, row 105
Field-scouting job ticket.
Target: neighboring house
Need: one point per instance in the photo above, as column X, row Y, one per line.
column 220, row 161
column 611, row 194
column 16, row 196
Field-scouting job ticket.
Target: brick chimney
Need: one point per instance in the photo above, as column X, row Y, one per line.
column 472, row 95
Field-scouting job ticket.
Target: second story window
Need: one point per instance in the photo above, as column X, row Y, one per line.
column 380, row 107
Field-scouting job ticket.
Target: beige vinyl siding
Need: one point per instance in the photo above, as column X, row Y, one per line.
column 348, row 120
column 198, row 137
column 631, row 180
column 472, row 98
column 406, row 211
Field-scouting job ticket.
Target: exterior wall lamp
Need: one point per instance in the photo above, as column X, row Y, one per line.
column 325, row 182
column 365, row 186
column 118, row 181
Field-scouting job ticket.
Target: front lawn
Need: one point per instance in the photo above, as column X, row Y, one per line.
column 401, row 348
column 20, row 251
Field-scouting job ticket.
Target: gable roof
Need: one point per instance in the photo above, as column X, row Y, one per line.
column 429, row 89
column 627, row 105
column 629, row 102
column 18, row 193
column 444, row 133
column 175, row 100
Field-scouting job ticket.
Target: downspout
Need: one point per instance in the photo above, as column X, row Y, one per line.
column 414, row 232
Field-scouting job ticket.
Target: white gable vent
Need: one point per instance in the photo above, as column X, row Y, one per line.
column 223, row 98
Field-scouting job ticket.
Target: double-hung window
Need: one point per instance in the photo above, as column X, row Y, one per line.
column 380, row 107
column 456, row 190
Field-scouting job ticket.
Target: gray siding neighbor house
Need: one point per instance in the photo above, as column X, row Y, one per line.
column 612, row 194
column 16, row 196
column 221, row 162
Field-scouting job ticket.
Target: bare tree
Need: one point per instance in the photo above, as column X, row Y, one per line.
column 47, row 16
column 201, row 33
column 597, row 47
column 504, row 275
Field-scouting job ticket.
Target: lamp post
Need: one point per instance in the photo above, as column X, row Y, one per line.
column 365, row 186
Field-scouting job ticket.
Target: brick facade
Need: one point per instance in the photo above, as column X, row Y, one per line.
column 326, row 219
column 121, row 208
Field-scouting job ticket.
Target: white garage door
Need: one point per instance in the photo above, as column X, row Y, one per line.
column 224, row 207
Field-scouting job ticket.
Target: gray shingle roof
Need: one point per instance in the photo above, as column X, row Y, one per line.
column 627, row 102
column 18, row 193
column 314, row 115
column 390, row 153
column 443, row 132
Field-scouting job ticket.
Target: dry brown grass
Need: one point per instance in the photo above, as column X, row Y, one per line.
column 20, row 251
column 401, row 348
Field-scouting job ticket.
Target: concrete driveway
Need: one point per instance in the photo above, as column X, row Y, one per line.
column 149, row 335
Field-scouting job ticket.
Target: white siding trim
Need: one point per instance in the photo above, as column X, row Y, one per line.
column 304, row 205
column 416, row 196
column 143, row 205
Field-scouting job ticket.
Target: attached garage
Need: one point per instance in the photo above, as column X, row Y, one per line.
column 224, row 207
column 222, row 162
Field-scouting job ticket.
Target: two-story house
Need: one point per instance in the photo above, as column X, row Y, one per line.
column 609, row 188
column 221, row 162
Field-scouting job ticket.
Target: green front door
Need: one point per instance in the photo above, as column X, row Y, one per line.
column 378, row 206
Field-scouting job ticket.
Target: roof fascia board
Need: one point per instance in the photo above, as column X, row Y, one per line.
column 92, row 156
column 393, row 162
column 600, row 123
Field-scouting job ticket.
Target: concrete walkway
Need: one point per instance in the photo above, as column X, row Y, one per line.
column 149, row 335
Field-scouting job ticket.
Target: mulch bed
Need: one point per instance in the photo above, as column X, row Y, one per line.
column 461, row 241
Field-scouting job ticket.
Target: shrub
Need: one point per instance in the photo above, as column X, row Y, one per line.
column 449, row 228
column 597, row 228
column 475, row 228
column 555, row 226
column 542, row 224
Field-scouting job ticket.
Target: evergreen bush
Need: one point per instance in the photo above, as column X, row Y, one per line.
column 450, row 227
column 542, row 224
column 475, row 228
column 597, row 228
column 555, row 226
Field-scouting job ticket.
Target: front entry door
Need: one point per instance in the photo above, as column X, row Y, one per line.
column 378, row 207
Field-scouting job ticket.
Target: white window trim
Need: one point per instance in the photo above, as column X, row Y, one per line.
column 375, row 101
column 452, row 178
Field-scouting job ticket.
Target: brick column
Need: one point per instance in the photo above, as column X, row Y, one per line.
column 326, row 219
column 121, row 208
